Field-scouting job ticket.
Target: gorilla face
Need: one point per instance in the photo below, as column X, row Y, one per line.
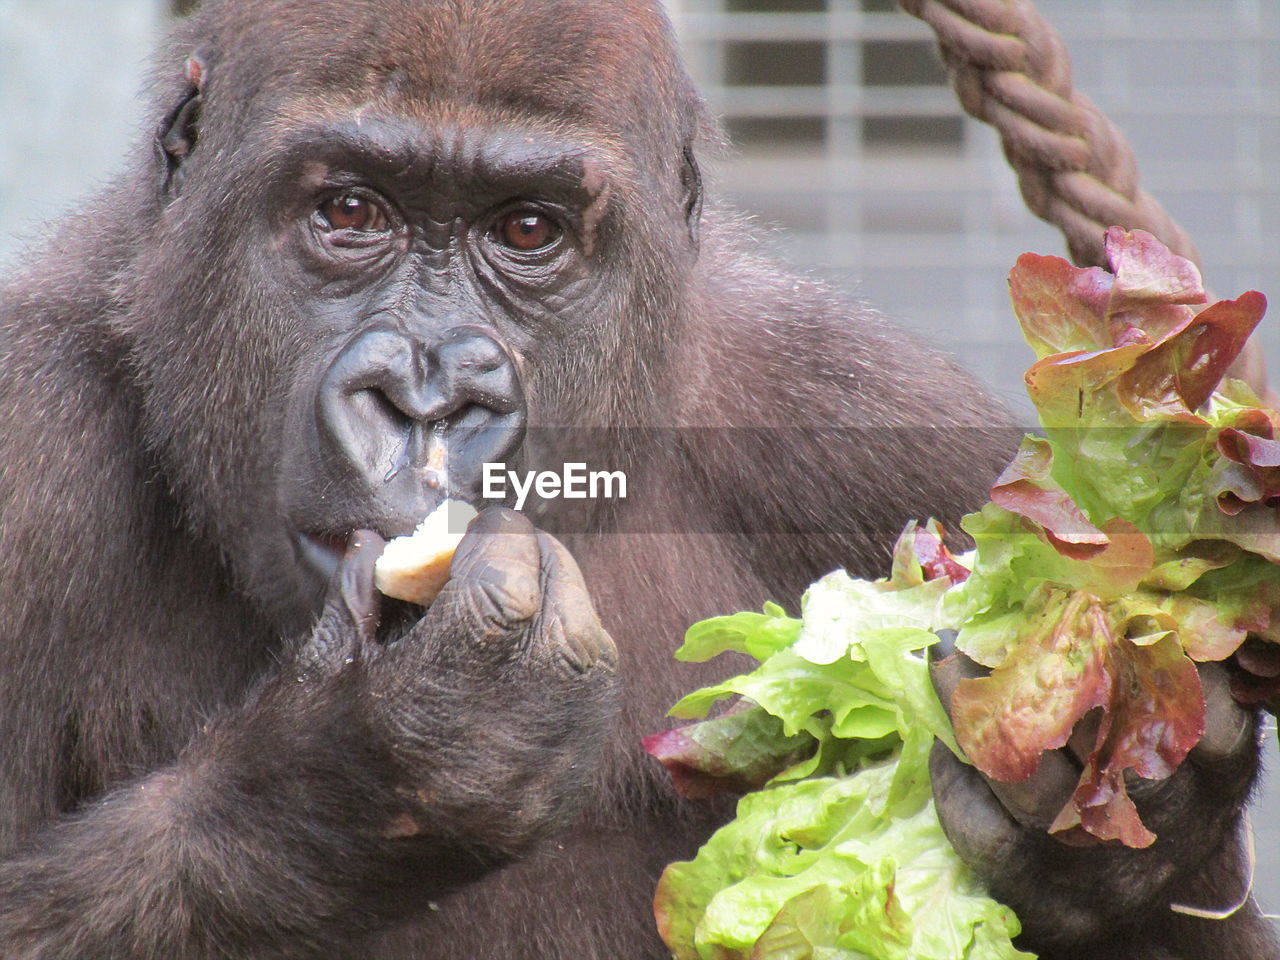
column 444, row 251
column 413, row 280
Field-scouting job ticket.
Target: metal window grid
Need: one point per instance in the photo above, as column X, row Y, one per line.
column 927, row 232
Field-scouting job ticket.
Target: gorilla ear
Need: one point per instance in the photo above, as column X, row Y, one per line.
column 177, row 134
column 691, row 183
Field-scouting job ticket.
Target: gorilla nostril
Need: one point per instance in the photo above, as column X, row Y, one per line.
column 375, row 406
column 383, row 417
column 485, row 357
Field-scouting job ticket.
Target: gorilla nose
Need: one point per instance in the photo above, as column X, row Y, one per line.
column 399, row 412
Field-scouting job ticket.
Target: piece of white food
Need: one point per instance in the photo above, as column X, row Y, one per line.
column 416, row 567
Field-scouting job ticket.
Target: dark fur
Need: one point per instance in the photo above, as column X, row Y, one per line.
column 159, row 795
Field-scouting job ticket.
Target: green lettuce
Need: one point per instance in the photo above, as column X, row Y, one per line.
column 1137, row 536
column 841, row 855
column 830, row 868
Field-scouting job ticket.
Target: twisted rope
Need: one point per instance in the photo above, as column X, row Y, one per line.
column 1075, row 168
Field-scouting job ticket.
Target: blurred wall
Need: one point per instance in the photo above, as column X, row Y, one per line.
column 70, row 75
column 850, row 138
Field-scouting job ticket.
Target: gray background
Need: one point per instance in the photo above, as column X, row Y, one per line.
column 848, row 139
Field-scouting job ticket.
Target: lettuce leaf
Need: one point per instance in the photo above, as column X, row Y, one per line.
column 1139, row 535
column 831, row 867
column 840, row 855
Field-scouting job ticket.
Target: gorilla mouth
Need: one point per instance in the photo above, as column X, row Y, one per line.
column 321, row 553
column 319, row 547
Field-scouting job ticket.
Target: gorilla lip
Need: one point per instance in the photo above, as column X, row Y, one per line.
column 321, row 552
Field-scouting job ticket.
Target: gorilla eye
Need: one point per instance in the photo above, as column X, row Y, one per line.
column 527, row 230
column 351, row 211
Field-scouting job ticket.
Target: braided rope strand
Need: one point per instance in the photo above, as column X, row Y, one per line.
column 1075, row 168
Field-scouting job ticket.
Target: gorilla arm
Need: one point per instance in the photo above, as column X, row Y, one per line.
column 358, row 784
column 1108, row 902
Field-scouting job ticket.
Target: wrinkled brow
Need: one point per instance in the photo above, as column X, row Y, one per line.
column 494, row 156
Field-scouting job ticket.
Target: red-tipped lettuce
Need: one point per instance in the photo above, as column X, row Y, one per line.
column 1139, row 536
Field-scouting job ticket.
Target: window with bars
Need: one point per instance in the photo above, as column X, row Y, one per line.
column 847, row 134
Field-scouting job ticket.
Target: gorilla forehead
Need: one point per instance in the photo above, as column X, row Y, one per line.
column 575, row 60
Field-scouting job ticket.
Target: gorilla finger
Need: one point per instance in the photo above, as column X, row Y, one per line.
column 1083, row 741
column 495, row 574
column 947, row 667
column 974, row 820
column 491, row 521
column 359, row 598
column 1033, row 802
column 1228, row 727
column 353, row 606
column 946, row 644
column 568, row 616
column 1036, row 801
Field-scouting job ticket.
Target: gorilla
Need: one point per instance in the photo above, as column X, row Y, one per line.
column 368, row 249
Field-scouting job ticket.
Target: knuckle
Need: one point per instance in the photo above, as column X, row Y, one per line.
column 560, row 570
column 580, row 649
column 500, row 591
column 1228, row 727
column 568, row 606
column 507, row 597
column 489, row 542
column 570, row 627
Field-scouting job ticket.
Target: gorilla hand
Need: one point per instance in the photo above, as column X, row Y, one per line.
column 356, row 785
column 1101, row 901
column 493, row 707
